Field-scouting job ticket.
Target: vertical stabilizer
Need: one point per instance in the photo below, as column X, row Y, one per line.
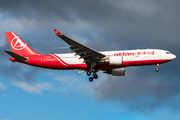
column 18, row 46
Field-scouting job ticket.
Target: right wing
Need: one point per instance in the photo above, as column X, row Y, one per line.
column 88, row 54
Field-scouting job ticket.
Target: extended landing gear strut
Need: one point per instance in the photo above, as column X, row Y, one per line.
column 94, row 75
column 157, row 67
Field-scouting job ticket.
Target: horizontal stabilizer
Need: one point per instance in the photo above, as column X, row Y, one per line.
column 16, row 56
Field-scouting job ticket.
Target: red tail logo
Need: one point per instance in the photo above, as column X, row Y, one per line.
column 17, row 44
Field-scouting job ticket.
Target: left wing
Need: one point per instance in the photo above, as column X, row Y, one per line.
column 88, row 54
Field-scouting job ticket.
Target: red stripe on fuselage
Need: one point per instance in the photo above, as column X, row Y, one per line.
column 55, row 62
column 47, row 61
column 60, row 60
column 131, row 63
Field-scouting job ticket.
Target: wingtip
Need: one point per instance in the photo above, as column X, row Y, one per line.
column 57, row 32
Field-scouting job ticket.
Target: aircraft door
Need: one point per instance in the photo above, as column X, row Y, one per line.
column 158, row 54
column 43, row 58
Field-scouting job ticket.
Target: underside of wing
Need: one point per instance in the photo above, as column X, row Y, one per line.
column 88, row 54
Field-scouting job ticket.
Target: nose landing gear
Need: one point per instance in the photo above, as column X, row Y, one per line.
column 157, row 67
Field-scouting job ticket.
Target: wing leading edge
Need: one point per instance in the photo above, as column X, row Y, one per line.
column 88, row 54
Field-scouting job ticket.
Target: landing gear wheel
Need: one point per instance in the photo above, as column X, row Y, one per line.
column 157, row 67
column 95, row 76
column 94, row 70
column 88, row 73
column 90, row 79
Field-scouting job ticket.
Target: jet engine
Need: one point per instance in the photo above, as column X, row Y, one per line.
column 116, row 72
column 113, row 60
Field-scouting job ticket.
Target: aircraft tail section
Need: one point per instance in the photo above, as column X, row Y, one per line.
column 18, row 46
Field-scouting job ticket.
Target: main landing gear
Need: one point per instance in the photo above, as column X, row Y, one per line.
column 157, row 67
column 94, row 75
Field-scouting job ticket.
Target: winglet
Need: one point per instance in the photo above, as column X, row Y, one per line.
column 57, row 32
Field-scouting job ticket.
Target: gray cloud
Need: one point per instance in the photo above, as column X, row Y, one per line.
column 104, row 25
column 142, row 89
column 141, row 23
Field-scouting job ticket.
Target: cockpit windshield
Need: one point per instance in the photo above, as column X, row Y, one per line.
column 168, row 52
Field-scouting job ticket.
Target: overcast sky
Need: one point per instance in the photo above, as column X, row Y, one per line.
column 28, row 92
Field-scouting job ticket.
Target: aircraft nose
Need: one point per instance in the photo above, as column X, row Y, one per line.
column 173, row 56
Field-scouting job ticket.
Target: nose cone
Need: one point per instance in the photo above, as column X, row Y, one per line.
column 173, row 56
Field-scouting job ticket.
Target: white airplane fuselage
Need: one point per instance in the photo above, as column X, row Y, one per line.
column 85, row 58
column 130, row 58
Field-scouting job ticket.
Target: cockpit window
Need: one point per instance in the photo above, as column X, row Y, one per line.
column 168, row 52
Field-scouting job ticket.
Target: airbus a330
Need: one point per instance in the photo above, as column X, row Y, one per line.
column 86, row 59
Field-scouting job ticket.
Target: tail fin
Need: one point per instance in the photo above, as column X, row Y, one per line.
column 18, row 46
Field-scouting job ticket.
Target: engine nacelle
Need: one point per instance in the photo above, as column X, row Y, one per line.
column 113, row 60
column 116, row 72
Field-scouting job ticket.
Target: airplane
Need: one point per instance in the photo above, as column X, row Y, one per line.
column 86, row 59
